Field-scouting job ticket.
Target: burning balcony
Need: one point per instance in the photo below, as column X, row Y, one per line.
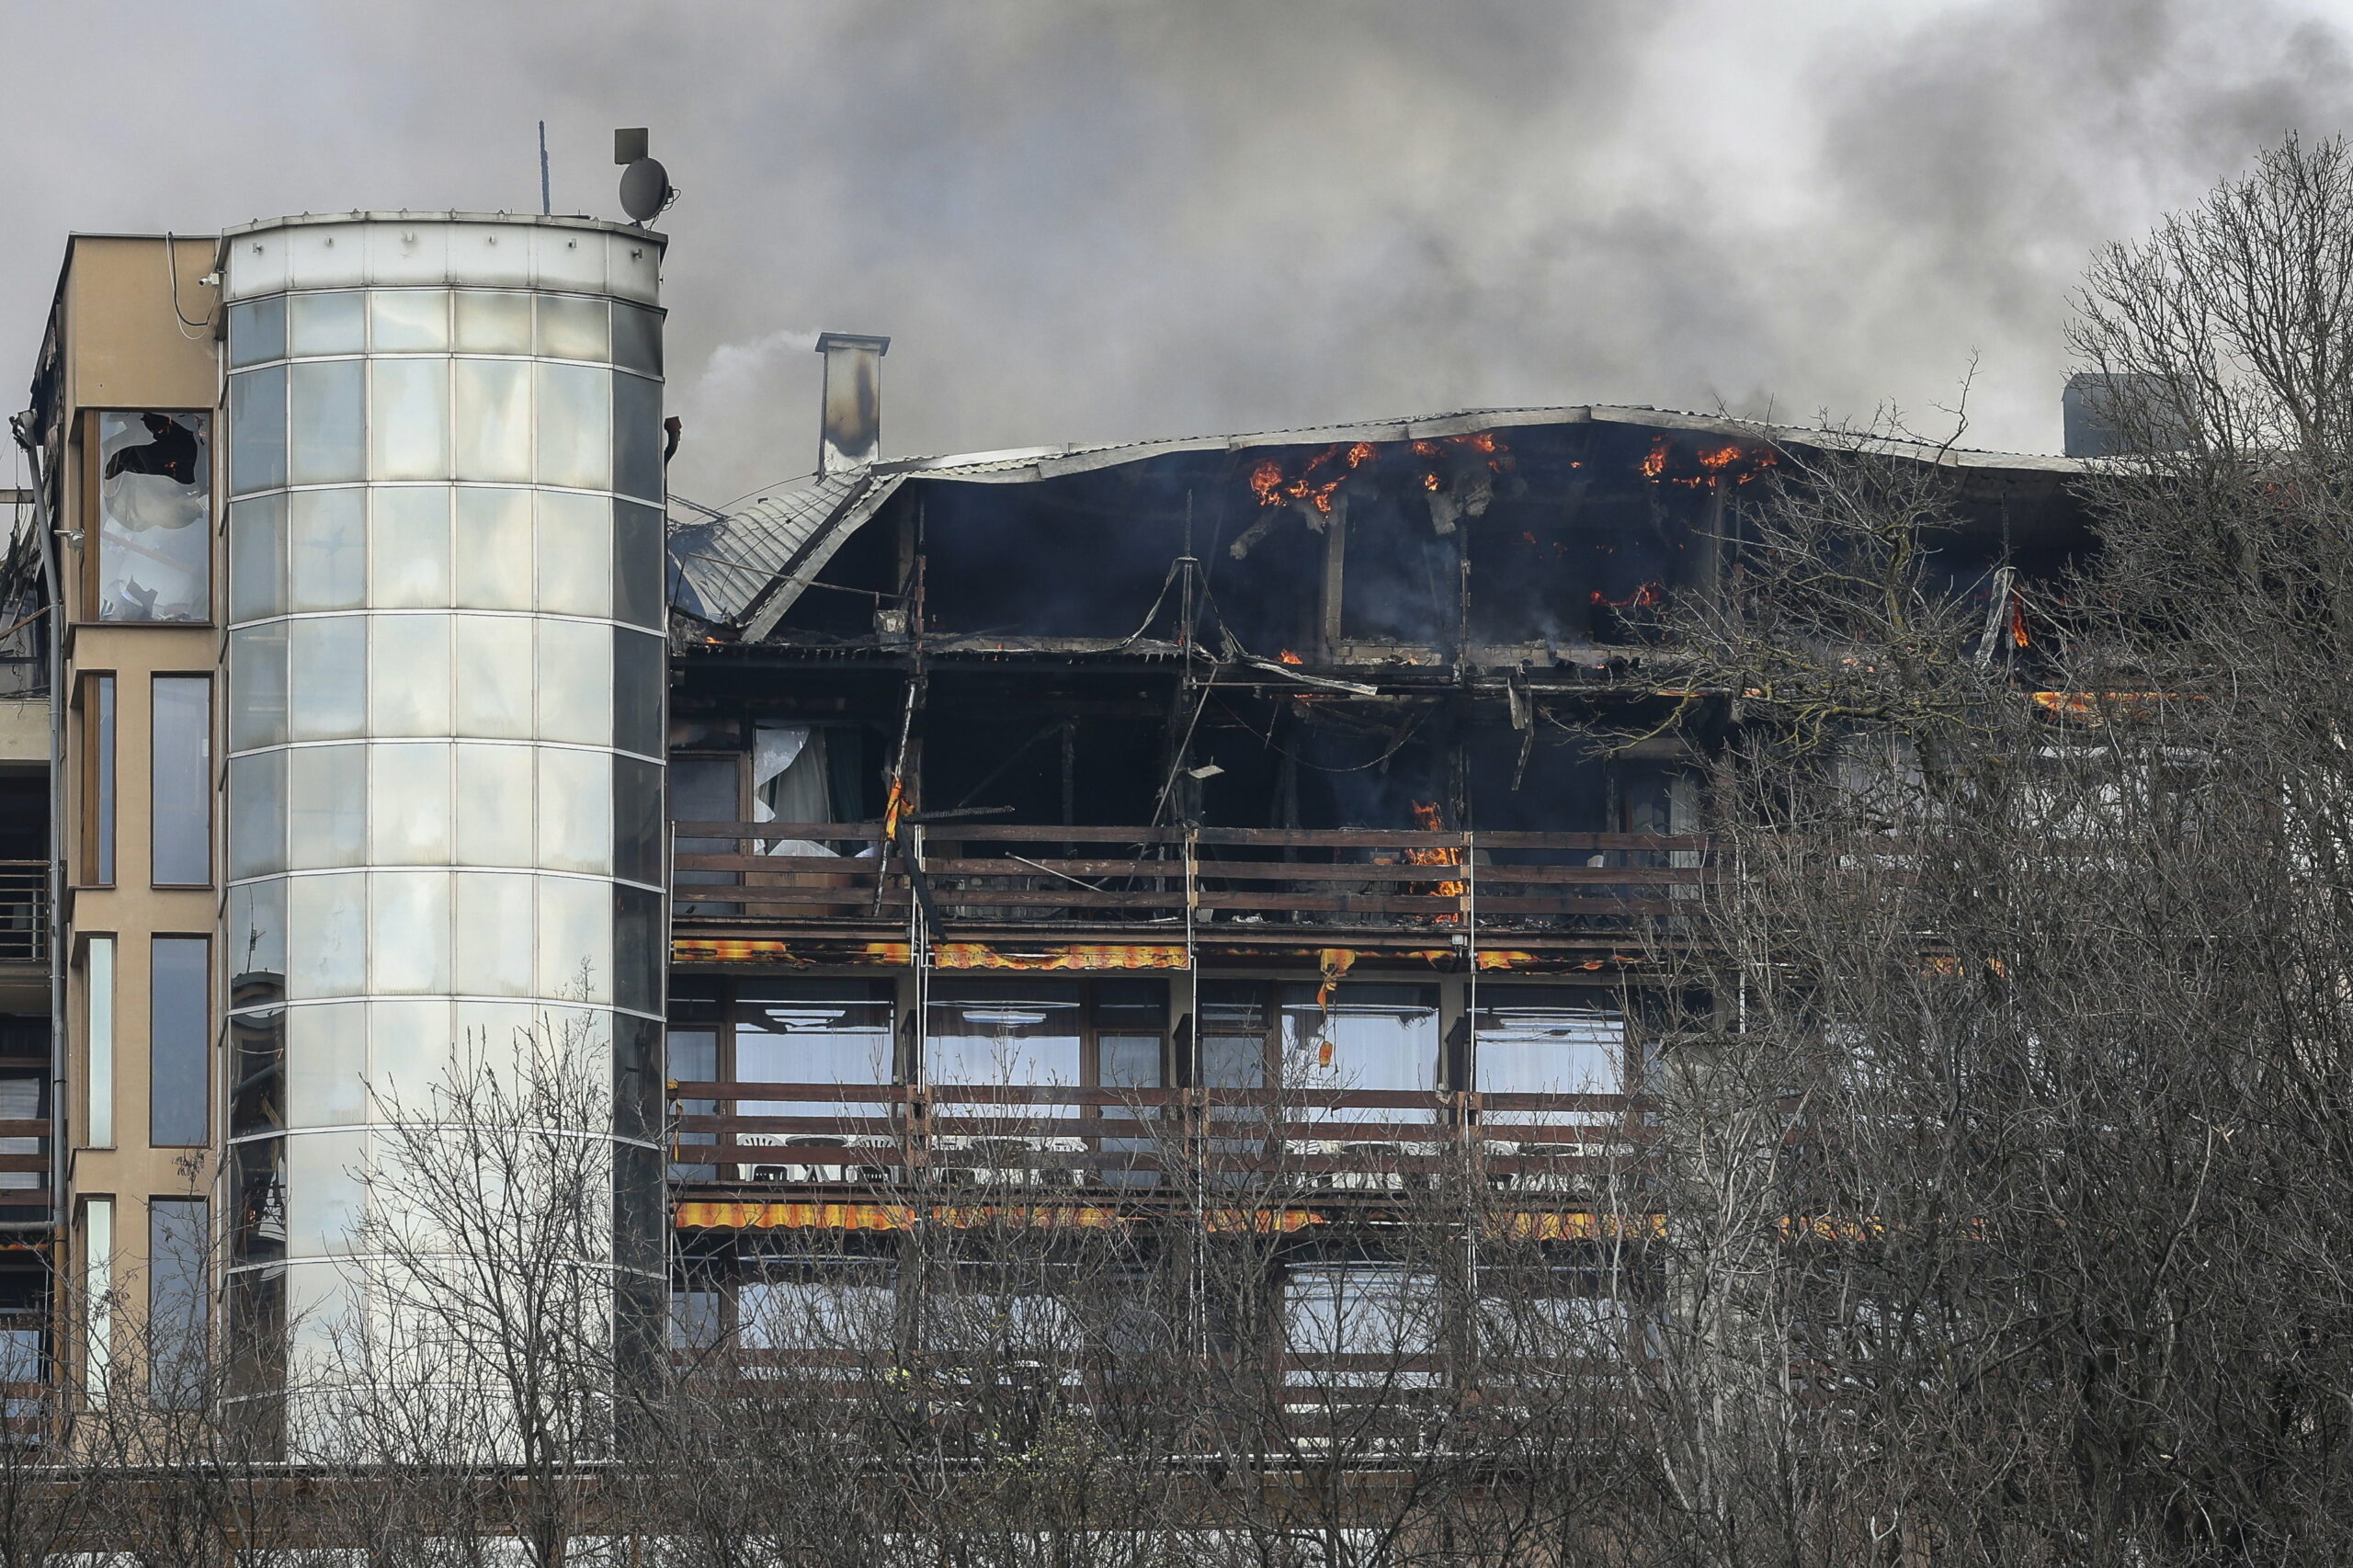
column 1356, row 761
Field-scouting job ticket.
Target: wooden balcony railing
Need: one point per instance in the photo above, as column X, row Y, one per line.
column 1053, row 1136
column 1064, row 875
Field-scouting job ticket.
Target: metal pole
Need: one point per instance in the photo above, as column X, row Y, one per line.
column 547, row 203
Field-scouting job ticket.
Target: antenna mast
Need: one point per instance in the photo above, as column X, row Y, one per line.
column 547, row 204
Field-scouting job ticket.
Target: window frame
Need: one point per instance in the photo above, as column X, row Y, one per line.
column 99, row 695
column 207, row 784
column 203, row 1042
column 99, row 1089
column 179, row 1384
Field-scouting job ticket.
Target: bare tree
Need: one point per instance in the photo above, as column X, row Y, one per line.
column 2009, row 1183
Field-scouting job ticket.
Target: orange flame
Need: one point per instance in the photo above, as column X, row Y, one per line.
column 1739, row 464
column 1318, row 484
column 1266, row 479
column 2018, row 620
column 1287, row 657
column 1429, row 819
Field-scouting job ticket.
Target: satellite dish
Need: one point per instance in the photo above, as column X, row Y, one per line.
column 645, row 189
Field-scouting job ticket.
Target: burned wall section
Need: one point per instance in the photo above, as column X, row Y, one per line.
column 1023, row 745
column 1082, row 556
column 1459, row 633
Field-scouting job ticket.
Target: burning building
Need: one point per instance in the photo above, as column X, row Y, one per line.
column 1074, row 830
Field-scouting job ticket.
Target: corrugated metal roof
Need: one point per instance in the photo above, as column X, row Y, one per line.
column 720, row 567
column 746, row 569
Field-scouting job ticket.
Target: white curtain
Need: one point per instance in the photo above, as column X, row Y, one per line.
column 789, row 782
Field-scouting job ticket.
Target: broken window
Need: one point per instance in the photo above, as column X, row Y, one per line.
column 154, row 485
column 806, row 773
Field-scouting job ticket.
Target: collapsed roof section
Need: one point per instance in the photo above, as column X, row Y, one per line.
column 740, row 573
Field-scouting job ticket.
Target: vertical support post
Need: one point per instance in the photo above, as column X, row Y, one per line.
column 547, row 201
column 1335, row 555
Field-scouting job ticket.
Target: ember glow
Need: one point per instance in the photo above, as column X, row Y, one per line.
column 1287, row 657
column 1650, row 596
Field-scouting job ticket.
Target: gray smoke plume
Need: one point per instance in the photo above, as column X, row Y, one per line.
column 1107, row 219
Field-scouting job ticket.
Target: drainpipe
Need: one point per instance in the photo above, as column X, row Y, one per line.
column 20, row 428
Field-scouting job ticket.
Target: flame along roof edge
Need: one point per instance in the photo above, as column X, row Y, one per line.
column 796, row 528
column 1021, row 464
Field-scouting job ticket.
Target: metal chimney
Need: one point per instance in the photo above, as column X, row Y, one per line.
column 851, row 437
column 2113, row 415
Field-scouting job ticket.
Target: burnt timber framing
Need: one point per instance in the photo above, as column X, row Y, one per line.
column 1277, row 710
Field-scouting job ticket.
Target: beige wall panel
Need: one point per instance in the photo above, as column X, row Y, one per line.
column 24, row 730
column 125, row 346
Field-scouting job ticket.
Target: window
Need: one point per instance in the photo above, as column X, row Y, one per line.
column 20, row 1357
column 1234, row 1014
column 990, row 1032
column 707, row 788
column 1130, row 1033
column 694, row 1058
column 22, row 1099
column 976, row 1316
column 179, row 1244
column 98, row 982
column 98, row 780
column 257, row 430
column 1370, row 1037
column 694, row 1319
column 1551, row 1315
column 1546, row 1040
column 824, row 1305
column 1359, row 1325
column 152, row 486
column 181, row 780
column 97, row 1296
column 814, row 1032
column 178, row 1027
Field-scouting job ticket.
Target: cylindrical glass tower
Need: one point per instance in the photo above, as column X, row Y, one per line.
column 445, row 711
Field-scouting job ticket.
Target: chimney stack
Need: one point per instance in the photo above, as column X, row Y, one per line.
column 852, row 435
column 2120, row 413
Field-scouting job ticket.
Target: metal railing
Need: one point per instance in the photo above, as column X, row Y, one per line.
column 24, row 912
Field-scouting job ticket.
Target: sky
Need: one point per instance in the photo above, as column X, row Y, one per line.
column 1105, row 219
